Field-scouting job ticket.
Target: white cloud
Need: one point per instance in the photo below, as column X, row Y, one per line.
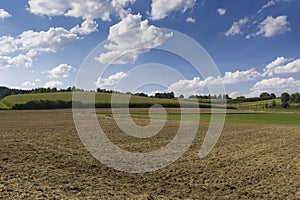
column 282, row 65
column 28, row 84
column 187, row 87
column 190, row 20
column 234, row 94
column 240, row 76
column 152, row 93
column 270, row 68
column 236, row 27
column 129, row 38
column 20, row 60
column 85, row 9
column 111, row 80
column 62, row 70
column 87, row 27
column 8, row 44
column 269, row 4
column 273, row 26
column 161, row 8
column 88, row 10
column 52, row 40
column 4, row 60
column 196, row 85
column 292, row 67
column 29, row 44
column 4, row 14
column 53, row 84
column 221, row 11
column 275, row 85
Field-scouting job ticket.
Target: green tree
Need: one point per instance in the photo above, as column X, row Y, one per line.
column 273, row 96
column 295, row 98
column 285, row 99
column 265, row 95
column 4, row 91
column 274, row 104
column 241, row 98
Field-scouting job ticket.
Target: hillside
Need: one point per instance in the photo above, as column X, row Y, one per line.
column 101, row 100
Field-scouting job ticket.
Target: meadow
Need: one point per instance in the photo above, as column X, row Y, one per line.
column 101, row 100
column 266, row 105
column 253, row 118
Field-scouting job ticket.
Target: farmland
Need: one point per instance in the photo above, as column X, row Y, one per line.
column 267, row 105
column 253, row 118
column 42, row 157
column 101, row 100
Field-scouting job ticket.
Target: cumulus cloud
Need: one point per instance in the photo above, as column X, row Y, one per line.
column 21, row 60
column 282, row 65
column 28, row 84
column 87, row 27
column 268, row 27
column 129, row 38
column 291, row 67
column 88, row 10
column 270, row 68
column 221, row 11
column 8, row 44
column 61, row 71
column 240, row 76
column 235, row 29
column 161, row 8
column 152, row 93
column 52, row 40
column 273, row 26
column 4, row 14
column 29, row 44
column 234, row 94
column 275, row 85
column 196, row 85
column 187, row 87
column 111, row 80
column 53, row 84
column 190, row 20
column 85, row 9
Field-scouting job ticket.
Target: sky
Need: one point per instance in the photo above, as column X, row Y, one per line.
column 254, row 44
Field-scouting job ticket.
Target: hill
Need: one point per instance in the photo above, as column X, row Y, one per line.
column 64, row 100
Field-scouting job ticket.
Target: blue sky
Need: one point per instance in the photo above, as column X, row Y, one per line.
column 255, row 44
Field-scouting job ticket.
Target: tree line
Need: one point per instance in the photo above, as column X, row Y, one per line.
column 287, row 99
column 5, row 91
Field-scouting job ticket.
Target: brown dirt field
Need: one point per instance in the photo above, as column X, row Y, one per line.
column 42, row 157
column 178, row 110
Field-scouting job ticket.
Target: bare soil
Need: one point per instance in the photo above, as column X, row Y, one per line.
column 42, row 157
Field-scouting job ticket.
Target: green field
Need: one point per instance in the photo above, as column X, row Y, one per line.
column 10, row 101
column 257, row 105
column 253, row 118
column 104, row 100
column 100, row 99
column 266, row 105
